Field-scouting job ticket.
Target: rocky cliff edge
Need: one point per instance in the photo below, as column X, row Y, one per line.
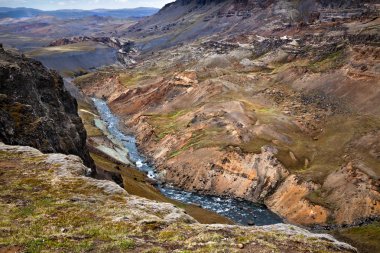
column 36, row 110
column 48, row 204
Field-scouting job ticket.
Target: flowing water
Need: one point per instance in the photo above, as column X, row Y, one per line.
column 240, row 211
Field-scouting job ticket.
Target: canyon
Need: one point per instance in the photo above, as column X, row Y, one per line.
column 49, row 202
column 259, row 117
column 269, row 102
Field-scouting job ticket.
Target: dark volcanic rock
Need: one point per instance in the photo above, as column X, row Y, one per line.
column 36, row 110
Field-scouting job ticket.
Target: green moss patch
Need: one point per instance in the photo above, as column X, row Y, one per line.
column 365, row 238
column 328, row 62
column 203, row 138
column 165, row 124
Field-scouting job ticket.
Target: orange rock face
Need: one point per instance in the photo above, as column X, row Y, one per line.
column 252, row 177
column 289, row 201
column 186, row 78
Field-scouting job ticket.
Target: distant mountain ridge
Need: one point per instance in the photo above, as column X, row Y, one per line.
column 22, row 12
column 185, row 20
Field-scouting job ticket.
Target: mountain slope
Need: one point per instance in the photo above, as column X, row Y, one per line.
column 183, row 21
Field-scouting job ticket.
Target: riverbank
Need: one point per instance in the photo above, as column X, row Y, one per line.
column 240, row 211
column 105, row 154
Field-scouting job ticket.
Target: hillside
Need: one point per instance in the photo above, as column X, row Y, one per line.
column 184, row 21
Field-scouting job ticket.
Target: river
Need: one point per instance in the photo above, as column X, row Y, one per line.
column 240, row 211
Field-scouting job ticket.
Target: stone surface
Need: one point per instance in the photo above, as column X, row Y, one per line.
column 353, row 186
column 289, row 200
column 36, row 110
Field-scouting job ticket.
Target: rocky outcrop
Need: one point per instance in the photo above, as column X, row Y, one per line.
column 353, row 185
column 110, row 41
column 127, row 53
column 290, row 201
column 36, row 110
column 253, row 177
column 48, row 204
column 186, row 79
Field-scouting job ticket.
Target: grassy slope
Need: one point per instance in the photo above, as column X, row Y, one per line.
column 46, row 209
column 365, row 238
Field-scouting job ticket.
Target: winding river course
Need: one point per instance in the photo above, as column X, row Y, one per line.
column 240, row 211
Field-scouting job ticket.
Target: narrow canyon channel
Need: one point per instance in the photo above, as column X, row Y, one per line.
column 240, row 211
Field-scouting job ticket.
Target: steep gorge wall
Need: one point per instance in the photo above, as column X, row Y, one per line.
column 36, row 110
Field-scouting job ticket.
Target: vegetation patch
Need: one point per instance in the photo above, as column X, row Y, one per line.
column 75, row 73
column 316, row 197
column 127, row 244
column 88, row 116
column 165, row 124
column 329, row 62
column 130, row 79
column 202, row 138
column 366, row 238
